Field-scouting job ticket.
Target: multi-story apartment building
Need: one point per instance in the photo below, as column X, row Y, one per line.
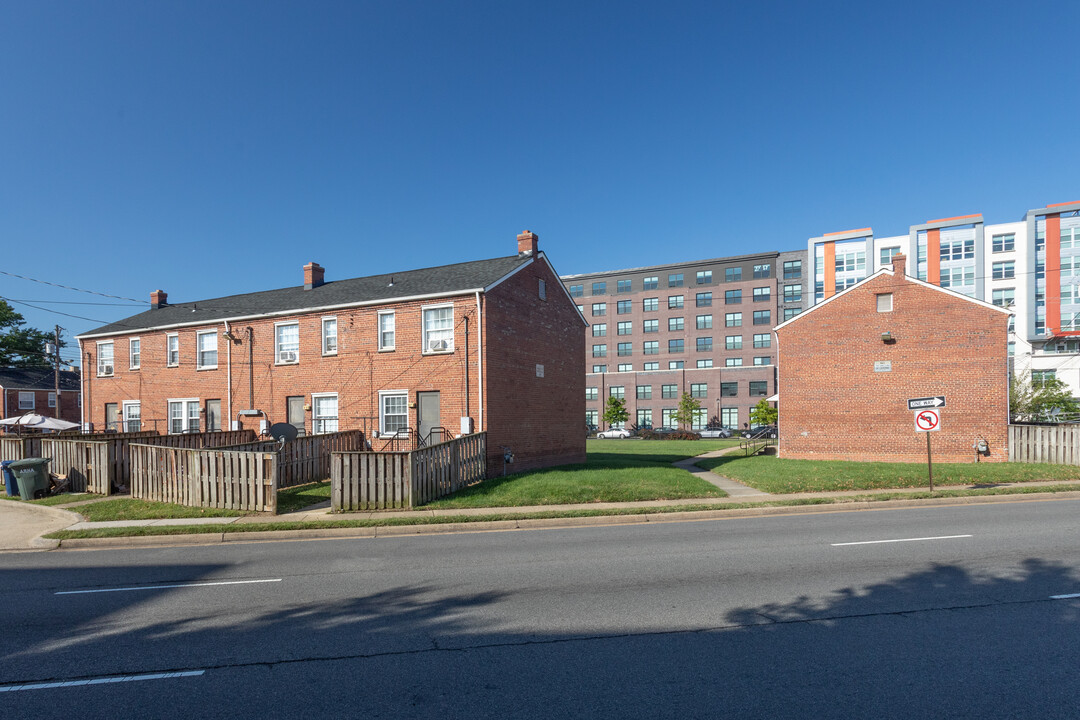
column 702, row 327
column 1031, row 266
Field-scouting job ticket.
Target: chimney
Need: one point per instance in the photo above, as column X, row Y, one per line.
column 899, row 265
column 527, row 243
column 313, row 275
column 158, row 299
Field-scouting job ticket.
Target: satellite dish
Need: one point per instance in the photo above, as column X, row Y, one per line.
column 283, row 432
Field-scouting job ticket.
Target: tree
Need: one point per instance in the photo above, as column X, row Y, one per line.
column 763, row 413
column 1044, row 398
column 615, row 412
column 21, row 346
column 687, row 410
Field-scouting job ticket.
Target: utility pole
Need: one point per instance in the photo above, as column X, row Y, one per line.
column 56, row 373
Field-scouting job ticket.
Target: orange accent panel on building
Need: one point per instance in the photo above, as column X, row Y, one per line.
column 830, row 269
column 1074, row 202
column 866, row 230
column 1053, row 274
column 933, row 257
column 949, row 219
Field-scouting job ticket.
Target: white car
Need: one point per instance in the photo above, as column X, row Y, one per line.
column 614, row 433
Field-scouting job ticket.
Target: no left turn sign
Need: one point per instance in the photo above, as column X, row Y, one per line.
column 927, row 419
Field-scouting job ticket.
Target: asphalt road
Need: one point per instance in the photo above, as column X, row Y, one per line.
column 958, row 615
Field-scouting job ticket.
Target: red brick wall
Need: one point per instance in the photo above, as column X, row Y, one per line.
column 540, row 419
column 833, row 405
column 69, row 404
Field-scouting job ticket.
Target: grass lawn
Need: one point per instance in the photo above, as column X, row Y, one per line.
column 62, row 499
column 777, row 475
column 615, row 471
column 301, row 496
column 126, row 508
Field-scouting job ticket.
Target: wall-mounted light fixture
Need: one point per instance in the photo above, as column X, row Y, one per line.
column 887, row 338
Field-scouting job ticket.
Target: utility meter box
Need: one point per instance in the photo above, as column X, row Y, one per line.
column 466, row 425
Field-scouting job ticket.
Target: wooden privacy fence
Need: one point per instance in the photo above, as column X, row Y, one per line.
column 214, row 478
column 89, row 466
column 17, row 448
column 380, row 481
column 307, row 459
column 1056, row 444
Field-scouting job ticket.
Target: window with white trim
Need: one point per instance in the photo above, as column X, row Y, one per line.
column 183, row 415
column 132, row 416
column 324, row 413
column 393, row 411
column 52, row 398
column 329, row 336
column 386, row 330
column 105, row 359
column 134, row 353
column 26, row 400
column 206, row 350
column 287, row 343
column 438, row 336
column 172, row 350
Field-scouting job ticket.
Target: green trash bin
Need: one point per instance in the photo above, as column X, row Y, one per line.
column 32, row 476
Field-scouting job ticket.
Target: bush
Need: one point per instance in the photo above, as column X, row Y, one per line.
column 650, row 434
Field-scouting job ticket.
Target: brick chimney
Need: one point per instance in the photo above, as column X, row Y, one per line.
column 158, row 299
column 313, row 275
column 899, row 265
column 527, row 243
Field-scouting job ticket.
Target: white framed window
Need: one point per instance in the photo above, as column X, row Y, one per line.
column 206, row 350
column 172, row 350
column 52, row 398
column 134, row 353
column 132, row 416
column 543, row 289
column 324, row 413
column 183, row 415
column 438, row 332
column 329, row 336
column 884, row 302
column 393, row 411
column 286, row 343
column 105, row 359
column 26, row 400
column 387, row 332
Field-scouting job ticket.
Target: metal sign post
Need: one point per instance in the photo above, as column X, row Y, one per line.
column 928, row 420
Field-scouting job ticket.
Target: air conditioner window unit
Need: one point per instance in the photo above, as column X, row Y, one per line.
column 438, row 345
column 106, row 369
column 287, row 356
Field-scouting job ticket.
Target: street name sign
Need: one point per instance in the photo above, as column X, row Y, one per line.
column 926, row 402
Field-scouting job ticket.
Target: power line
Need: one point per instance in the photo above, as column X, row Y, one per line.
column 68, row 287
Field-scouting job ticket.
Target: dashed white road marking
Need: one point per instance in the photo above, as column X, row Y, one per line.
column 877, row 542
column 165, row 587
column 1065, row 597
column 100, row 681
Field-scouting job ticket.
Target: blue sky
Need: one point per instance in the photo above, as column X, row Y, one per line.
column 211, row 148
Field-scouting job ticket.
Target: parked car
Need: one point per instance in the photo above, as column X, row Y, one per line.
column 715, row 432
column 614, row 433
column 761, row 431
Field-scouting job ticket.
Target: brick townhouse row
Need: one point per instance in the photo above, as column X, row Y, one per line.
column 491, row 345
column 33, row 390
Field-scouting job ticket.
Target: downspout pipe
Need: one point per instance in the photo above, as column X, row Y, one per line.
column 480, row 360
column 228, row 373
column 82, row 392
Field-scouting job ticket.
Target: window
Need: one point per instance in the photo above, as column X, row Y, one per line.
column 674, row 324
column 287, row 343
column 762, row 340
column 52, row 398
column 704, row 277
column 1040, row 377
column 591, row 393
column 729, row 417
column 438, row 333
column 650, row 304
column 644, row 418
column 172, row 350
column 206, row 350
column 791, row 312
column 1003, row 243
column 675, row 280
column 651, row 347
column 886, row 255
column 732, row 362
column 733, row 342
column 699, row 390
column 650, row 366
column 134, row 353
column 732, row 274
column 732, row 297
column 213, row 415
column 26, row 399
column 1005, row 297
column 625, row 349
column 599, row 368
column 599, row 351
column 650, row 283
column 599, row 309
column 704, row 344
column 132, row 416
column 592, row 417
column 104, row 359
column 667, row 416
column 650, row 326
column 704, row 322
column 599, row 288
column 577, row 290
column 762, row 317
column 625, row 367
column 625, row 307
column 184, row 415
column 763, row 361
column 675, row 302
column 626, row 328
column 733, row 320
column 393, row 410
column 1004, row 270
column 884, row 302
column 704, row 299
column 387, row 332
column 675, row 345
column 329, row 336
column 542, row 289
column 700, row 419
column 624, row 286
column 762, row 294
column 762, row 271
column 729, row 389
column 704, row 363
column 958, row 250
column 617, row 391
column 599, row 329
column 676, row 365
column 669, row 391
column 644, row 392
column 792, row 293
column 759, row 388
column 792, row 269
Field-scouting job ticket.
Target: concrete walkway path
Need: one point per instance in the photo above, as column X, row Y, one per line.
column 23, row 524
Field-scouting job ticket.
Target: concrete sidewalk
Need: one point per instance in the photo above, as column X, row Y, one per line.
column 23, row 524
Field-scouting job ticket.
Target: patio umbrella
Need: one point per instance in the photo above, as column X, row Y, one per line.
column 33, row 421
